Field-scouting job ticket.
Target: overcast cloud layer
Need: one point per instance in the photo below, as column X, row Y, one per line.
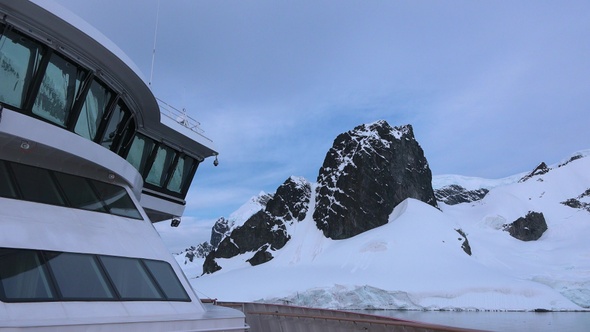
column 491, row 88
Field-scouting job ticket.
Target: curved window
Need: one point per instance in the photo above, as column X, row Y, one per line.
column 28, row 275
column 92, row 112
column 19, row 62
column 31, row 179
column 116, row 200
column 140, row 151
column 79, row 193
column 59, row 88
column 182, row 174
column 161, row 166
column 49, row 187
column 118, row 128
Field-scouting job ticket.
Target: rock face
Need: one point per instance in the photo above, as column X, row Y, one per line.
column 265, row 231
column 456, row 194
column 581, row 202
column 200, row 251
column 528, row 228
column 539, row 170
column 219, row 231
column 367, row 172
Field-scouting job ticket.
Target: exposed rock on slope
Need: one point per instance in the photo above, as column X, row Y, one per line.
column 528, row 228
column 539, row 170
column 265, row 231
column 580, row 202
column 367, row 172
column 219, row 231
column 456, row 194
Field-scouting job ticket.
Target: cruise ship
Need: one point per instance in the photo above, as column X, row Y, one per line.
column 87, row 164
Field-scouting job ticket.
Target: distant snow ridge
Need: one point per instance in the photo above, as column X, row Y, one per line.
column 454, row 257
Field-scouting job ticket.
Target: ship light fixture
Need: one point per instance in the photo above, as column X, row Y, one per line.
column 175, row 222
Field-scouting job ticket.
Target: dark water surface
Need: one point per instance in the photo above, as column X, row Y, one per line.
column 497, row 321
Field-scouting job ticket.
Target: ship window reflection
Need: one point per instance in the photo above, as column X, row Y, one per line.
column 115, row 127
column 42, row 276
column 93, row 109
column 19, row 61
column 140, row 150
column 160, row 166
column 6, row 187
column 60, row 85
column 166, row 278
column 181, row 174
column 30, row 179
column 78, row 276
column 22, row 276
column 79, row 193
column 117, row 200
column 130, row 278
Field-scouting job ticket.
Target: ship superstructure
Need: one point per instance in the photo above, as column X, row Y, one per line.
column 87, row 164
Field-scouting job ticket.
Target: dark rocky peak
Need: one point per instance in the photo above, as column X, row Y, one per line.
column 265, row 231
column 456, row 194
column 291, row 200
column 200, row 251
column 219, row 230
column 367, row 172
column 263, row 199
column 528, row 228
column 539, row 170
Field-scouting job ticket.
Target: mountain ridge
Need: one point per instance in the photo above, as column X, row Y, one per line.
column 418, row 259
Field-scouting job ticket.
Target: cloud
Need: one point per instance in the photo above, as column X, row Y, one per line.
column 491, row 88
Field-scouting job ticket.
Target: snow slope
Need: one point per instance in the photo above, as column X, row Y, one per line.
column 416, row 260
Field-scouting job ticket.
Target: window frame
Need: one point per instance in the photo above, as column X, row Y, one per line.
column 102, row 273
column 62, row 193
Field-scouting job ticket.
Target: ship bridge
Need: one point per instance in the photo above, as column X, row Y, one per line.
column 77, row 81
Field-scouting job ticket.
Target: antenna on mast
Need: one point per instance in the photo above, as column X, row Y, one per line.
column 155, row 39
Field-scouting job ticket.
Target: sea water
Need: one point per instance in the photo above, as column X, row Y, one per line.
column 496, row 320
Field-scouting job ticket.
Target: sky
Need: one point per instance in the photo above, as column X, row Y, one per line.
column 491, row 88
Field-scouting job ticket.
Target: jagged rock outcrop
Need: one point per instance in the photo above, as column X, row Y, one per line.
column 528, row 228
column 367, row 172
column 578, row 203
column 291, row 200
column 572, row 158
column 456, row 194
column 265, row 231
column 539, row 170
column 219, row 231
column 200, row 251
column 465, row 245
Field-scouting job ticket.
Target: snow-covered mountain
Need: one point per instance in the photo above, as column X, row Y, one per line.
column 459, row 256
